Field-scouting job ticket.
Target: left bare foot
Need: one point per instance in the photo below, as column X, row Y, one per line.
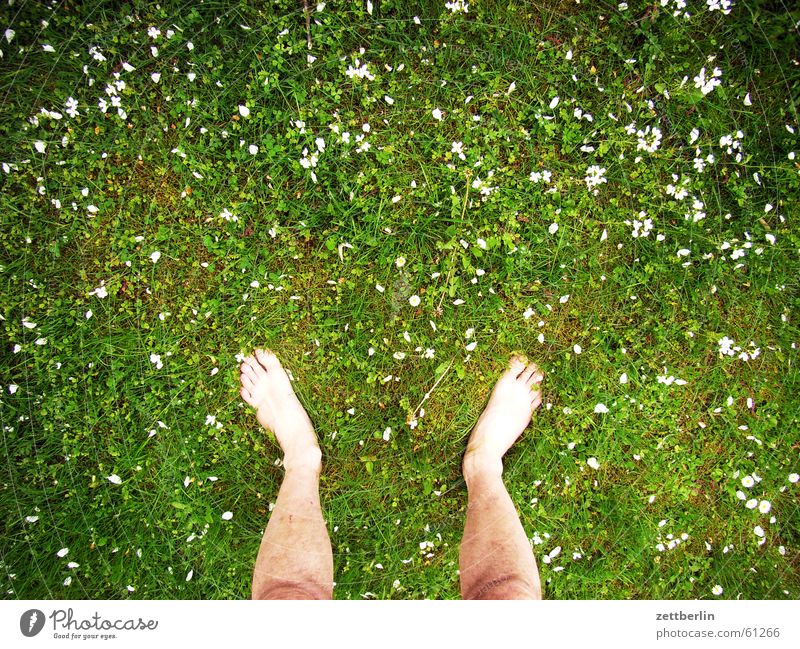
column 514, row 398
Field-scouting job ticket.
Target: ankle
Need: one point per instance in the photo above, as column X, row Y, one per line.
column 479, row 465
column 308, row 460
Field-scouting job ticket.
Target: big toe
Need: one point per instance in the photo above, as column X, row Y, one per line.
column 516, row 365
column 268, row 359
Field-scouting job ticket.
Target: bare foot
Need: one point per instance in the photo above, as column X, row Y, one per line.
column 266, row 387
column 514, row 398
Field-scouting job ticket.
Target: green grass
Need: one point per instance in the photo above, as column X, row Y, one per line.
column 88, row 397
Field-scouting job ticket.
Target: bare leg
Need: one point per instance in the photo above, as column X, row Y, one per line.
column 496, row 559
column 295, row 560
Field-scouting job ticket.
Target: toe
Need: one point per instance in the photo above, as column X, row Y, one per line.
column 528, row 372
column 247, row 382
column 246, row 395
column 267, row 359
column 249, row 371
column 516, row 365
column 536, row 401
column 536, row 378
column 255, row 366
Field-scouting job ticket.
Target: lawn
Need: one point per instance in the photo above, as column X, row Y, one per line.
column 395, row 198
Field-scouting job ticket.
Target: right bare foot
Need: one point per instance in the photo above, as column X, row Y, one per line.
column 514, row 398
column 266, row 387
